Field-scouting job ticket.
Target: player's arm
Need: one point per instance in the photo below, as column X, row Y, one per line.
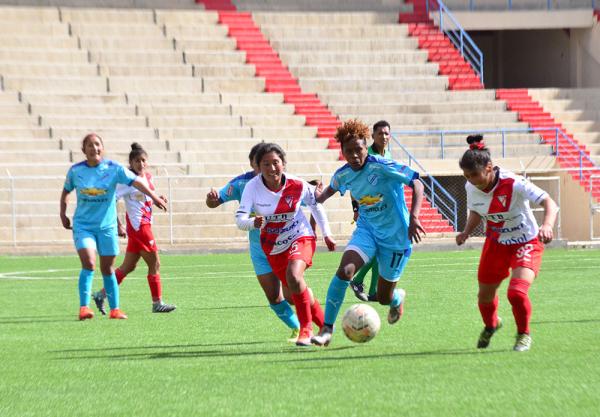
column 318, row 213
column 415, row 229
column 328, row 192
column 158, row 201
column 546, row 233
column 63, row 209
column 472, row 222
column 243, row 220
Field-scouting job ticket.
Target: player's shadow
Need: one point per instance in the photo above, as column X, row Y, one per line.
column 582, row 321
column 35, row 319
column 130, row 348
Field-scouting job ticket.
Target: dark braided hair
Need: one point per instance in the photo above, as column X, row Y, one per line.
column 254, row 150
column 136, row 152
column 477, row 157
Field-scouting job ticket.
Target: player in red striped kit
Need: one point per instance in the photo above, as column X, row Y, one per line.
column 513, row 239
column 287, row 239
column 140, row 240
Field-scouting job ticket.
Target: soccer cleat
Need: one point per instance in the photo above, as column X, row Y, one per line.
column 117, row 314
column 372, row 297
column 359, row 291
column 324, row 336
column 99, row 297
column 294, row 336
column 304, row 337
column 395, row 313
column 85, row 313
column 161, row 307
column 523, row 342
column 486, row 335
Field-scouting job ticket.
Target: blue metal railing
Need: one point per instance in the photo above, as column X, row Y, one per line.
column 550, row 4
column 458, row 36
column 434, row 191
column 558, row 134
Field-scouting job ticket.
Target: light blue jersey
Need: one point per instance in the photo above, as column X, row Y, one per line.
column 96, row 186
column 233, row 191
column 378, row 187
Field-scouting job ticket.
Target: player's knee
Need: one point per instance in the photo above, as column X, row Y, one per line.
column 346, row 272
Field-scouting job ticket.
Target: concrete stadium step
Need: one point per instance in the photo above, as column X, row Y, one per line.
column 341, row 58
column 202, row 44
column 92, row 29
column 267, row 110
column 155, row 84
column 19, row 120
column 354, row 44
column 117, row 57
column 64, row 56
column 314, row 6
column 406, row 98
column 456, row 152
column 454, row 107
column 187, row 18
column 144, row 71
column 94, row 85
column 107, row 133
column 374, row 85
column 115, row 145
column 27, row 145
column 211, row 57
column 252, row 98
column 34, row 70
column 226, row 121
column 289, row 145
column 57, row 122
column 233, row 157
column 56, row 169
column 227, row 70
column 15, row 28
column 333, row 31
column 37, row 42
column 399, row 120
column 39, row 157
column 325, row 19
column 297, row 168
column 121, row 16
column 178, row 31
column 184, row 99
column 161, row 110
column 30, row 14
column 156, row 43
column 492, row 139
column 89, row 110
column 9, row 132
column 363, row 71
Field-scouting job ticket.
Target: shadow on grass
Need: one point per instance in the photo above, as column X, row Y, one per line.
column 583, row 321
column 158, row 347
column 35, row 319
column 198, row 354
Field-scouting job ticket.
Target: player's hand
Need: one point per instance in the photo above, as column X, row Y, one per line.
column 259, row 222
column 160, row 203
column 545, row 234
column 330, row 242
column 212, row 196
column 415, row 230
column 461, row 238
column 65, row 222
column 121, row 231
column 164, row 198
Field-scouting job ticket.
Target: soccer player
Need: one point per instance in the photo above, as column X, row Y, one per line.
column 140, row 239
column 286, row 237
column 95, row 220
column 278, row 301
column 513, row 239
column 381, row 138
column 384, row 230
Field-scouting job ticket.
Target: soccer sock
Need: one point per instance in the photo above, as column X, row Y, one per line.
column 335, row 298
column 396, row 299
column 317, row 313
column 120, row 276
column 155, row 286
column 286, row 314
column 85, row 286
column 112, row 290
column 489, row 313
column 374, row 277
column 521, row 306
column 302, row 303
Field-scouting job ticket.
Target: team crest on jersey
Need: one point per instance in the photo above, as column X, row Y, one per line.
column 373, row 178
column 229, row 191
column 289, row 200
column 502, row 200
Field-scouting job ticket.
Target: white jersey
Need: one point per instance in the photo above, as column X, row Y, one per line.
column 285, row 221
column 506, row 208
column 137, row 204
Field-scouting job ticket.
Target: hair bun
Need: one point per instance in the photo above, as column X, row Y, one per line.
column 136, row 146
column 475, row 142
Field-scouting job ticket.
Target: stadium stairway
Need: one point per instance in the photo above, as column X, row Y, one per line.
column 530, row 110
column 439, row 48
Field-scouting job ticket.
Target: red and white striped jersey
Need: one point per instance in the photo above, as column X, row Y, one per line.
column 285, row 221
column 506, row 208
column 137, row 204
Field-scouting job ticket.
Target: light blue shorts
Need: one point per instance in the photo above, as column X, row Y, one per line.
column 259, row 259
column 105, row 241
column 391, row 261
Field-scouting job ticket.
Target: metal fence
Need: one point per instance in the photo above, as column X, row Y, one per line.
column 594, row 207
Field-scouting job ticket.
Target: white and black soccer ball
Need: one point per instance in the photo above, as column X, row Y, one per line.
column 361, row 323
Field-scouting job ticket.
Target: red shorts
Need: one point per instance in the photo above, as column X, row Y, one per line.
column 497, row 259
column 141, row 240
column 303, row 249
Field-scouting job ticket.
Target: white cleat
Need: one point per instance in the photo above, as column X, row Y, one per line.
column 523, row 343
column 324, row 336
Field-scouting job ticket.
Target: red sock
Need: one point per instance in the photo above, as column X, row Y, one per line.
column 521, row 306
column 302, row 303
column 318, row 317
column 489, row 313
column 155, row 286
column 120, row 276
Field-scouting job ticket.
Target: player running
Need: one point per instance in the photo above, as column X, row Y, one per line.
column 95, row 220
column 381, row 138
column 286, row 236
column 140, row 239
column 513, row 239
column 268, row 281
column 385, row 229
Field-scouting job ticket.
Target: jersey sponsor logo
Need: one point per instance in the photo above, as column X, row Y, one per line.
column 92, row 192
column 280, row 217
column 369, row 200
column 373, row 179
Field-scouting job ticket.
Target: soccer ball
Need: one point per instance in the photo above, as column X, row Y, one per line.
column 361, row 323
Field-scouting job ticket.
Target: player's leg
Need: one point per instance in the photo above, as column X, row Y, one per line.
column 301, row 297
column 357, row 283
column 128, row 265
column 85, row 243
column 152, row 260
column 108, row 249
column 391, row 266
column 272, row 288
column 372, row 294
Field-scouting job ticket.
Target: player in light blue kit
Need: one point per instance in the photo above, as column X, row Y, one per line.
column 267, row 280
column 95, row 220
column 385, row 229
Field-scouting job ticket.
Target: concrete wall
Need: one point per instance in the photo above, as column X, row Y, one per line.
column 585, row 59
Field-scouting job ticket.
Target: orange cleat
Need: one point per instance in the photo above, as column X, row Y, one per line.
column 85, row 313
column 115, row 313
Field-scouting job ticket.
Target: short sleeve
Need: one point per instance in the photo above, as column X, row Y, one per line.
column 397, row 171
column 125, row 176
column 336, row 184
column 229, row 192
column 69, row 185
column 122, row 191
column 529, row 190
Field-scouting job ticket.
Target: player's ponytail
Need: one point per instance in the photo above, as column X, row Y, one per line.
column 136, row 152
column 477, row 157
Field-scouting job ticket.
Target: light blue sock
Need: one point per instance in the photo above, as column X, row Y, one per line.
column 398, row 298
column 284, row 311
column 112, row 290
column 335, row 298
column 85, row 287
